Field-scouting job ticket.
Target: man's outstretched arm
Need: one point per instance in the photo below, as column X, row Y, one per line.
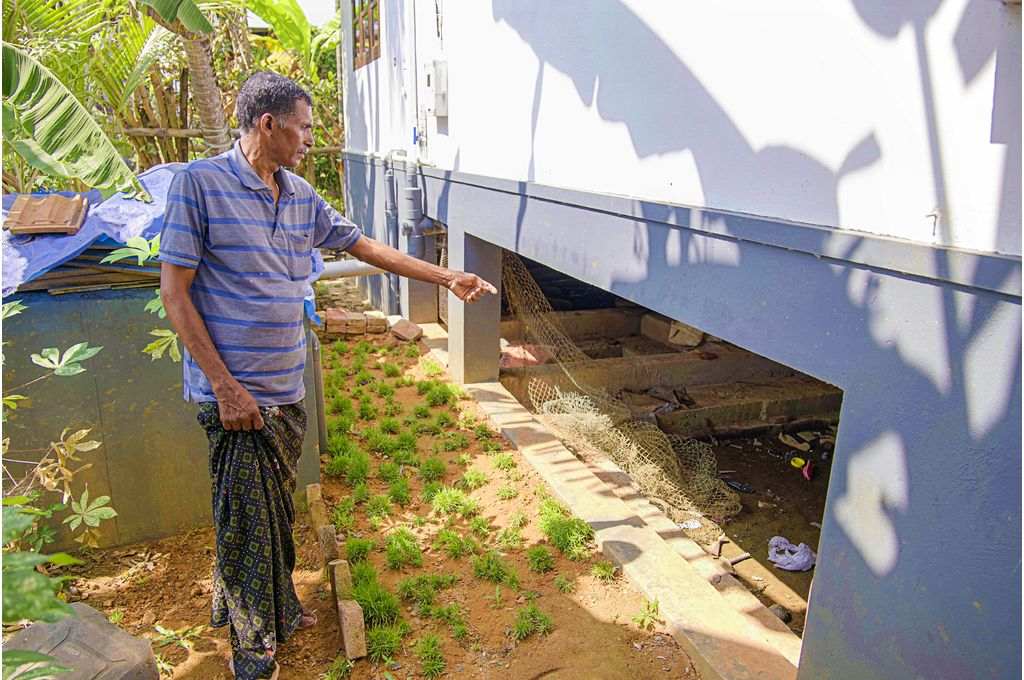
column 467, row 287
column 238, row 408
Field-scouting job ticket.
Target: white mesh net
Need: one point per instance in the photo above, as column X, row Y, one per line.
column 678, row 474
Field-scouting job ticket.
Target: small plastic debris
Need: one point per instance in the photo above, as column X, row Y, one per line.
column 808, row 470
column 690, row 524
column 793, row 442
column 785, row 555
column 742, row 487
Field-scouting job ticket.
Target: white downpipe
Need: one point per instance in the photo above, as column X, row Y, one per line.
column 340, row 269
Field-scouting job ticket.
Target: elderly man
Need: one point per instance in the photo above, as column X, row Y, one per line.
column 236, row 248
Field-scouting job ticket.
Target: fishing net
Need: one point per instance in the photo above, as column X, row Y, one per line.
column 678, row 474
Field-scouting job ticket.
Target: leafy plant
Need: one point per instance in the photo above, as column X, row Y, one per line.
column 357, row 469
column 166, row 341
column 340, row 668
column 510, row 538
column 430, row 490
column 453, row 615
column 507, row 492
column 432, row 469
column 421, row 411
column 454, row 545
column 473, row 479
column 182, row 637
column 571, row 535
column 389, row 471
column 504, row 461
column 391, row 370
column 422, row 590
column 390, row 426
column 564, row 585
column 451, row 501
column 399, row 491
column 378, row 506
column 383, row 642
column 649, row 615
column 342, row 517
column 139, row 248
column 539, row 559
column 380, row 606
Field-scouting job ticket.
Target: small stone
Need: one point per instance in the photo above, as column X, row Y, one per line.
column 637, row 646
column 149, row 618
column 784, row 615
column 406, row 330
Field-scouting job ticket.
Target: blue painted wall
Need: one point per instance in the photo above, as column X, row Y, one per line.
column 919, row 567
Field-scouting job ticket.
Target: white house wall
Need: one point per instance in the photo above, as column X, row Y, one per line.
column 898, row 119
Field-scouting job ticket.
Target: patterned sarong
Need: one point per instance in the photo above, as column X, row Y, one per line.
column 253, row 476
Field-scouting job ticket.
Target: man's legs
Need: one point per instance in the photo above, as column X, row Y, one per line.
column 253, row 476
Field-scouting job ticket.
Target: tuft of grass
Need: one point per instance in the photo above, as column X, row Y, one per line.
column 421, row 590
column 360, row 493
column 342, row 517
column 452, row 441
column 480, row 526
column 464, row 459
column 430, row 490
column 341, row 347
column 339, row 669
column 390, row 425
column 401, row 549
column 357, row 469
column 482, row 432
column 389, row 471
column 383, row 642
column 444, row 420
column 490, row 567
column 564, row 585
column 391, row 370
column 431, row 367
column 432, row 469
column 490, row 447
column 473, row 479
column 518, row 520
column 428, row 651
column 341, row 406
column 378, row 506
column 441, row 394
column 510, row 539
column 386, row 391
column 452, row 614
column 367, row 411
column 421, row 411
column 377, row 441
column 392, row 409
column 603, row 571
column 380, row 606
column 363, row 572
column 539, row 559
column 364, row 377
column 571, row 535
column 454, row 545
column 507, row 492
column 530, row 620
column 452, row 501
column 649, row 616
column 412, row 352
column 504, row 462
column 358, row 549
column 399, row 492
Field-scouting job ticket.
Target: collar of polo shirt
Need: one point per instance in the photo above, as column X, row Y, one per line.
column 248, row 177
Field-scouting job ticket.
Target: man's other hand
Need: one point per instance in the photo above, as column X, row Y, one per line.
column 238, row 409
column 469, row 287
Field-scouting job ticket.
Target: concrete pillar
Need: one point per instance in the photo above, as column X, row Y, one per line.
column 473, row 329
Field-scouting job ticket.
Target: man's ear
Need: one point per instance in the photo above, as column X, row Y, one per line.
column 267, row 122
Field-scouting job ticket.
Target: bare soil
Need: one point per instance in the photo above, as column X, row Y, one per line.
column 167, row 582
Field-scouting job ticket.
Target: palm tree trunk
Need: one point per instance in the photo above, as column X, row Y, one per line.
column 207, row 95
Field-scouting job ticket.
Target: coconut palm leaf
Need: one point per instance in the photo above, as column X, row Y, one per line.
column 126, row 55
column 54, row 133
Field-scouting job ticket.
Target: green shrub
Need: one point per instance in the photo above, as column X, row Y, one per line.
column 490, row 567
column 480, row 526
column 482, row 432
column 363, row 347
column 421, row 590
column 452, row 441
column 401, row 549
column 390, row 425
column 530, row 620
column 428, row 651
column 440, row 395
column 367, row 411
column 452, row 615
column 564, row 584
column 491, row 446
column 444, row 420
column 518, row 520
column 364, row 377
column 342, row 517
column 377, row 441
column 412, row 352
column 510, row 539
column 432, row 469
column 358, row 549
column 507, row 492
column 392, row 409
column 391, row 370
column 341, row 347
column 421, row 411
column 399, row 492
column 360, row 493
column 539, row 559
column 363, row 572
column 424, row 386
column 340, row 406
column 386, row 391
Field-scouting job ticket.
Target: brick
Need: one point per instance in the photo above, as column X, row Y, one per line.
column 376, row 322
column 347, row 323
column 406, row 330
column 353, row 635
column 341, row 579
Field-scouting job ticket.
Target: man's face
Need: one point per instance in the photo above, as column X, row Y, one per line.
column 291, row 136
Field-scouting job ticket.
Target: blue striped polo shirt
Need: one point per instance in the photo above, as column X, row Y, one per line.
column 253, row 261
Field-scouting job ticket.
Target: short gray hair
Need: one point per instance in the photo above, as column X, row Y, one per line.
column 266, row 92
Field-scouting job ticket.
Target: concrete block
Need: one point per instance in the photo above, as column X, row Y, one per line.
column 661, row 329
column 346, row 323
column 341, row 579
column 328, row 543
column 353, row 634
column 90, row 646
column 407, row 331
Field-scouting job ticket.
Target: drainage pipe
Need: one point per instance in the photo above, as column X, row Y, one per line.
column 340, row 269
column 414, row 222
